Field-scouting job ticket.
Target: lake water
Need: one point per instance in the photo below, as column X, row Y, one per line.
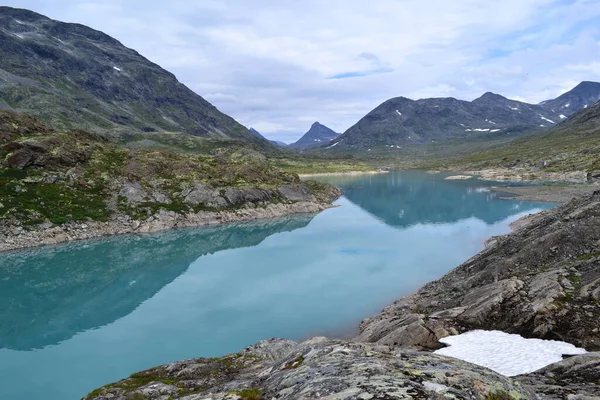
column 78, row 316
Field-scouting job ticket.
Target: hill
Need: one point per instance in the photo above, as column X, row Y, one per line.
column 74, row 77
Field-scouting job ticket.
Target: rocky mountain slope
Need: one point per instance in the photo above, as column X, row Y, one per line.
column 317, row 135
column 72, row 76
column 582, row 96
column 569, row 151
column 52, row 179
column 543, row 281
column 400, row 121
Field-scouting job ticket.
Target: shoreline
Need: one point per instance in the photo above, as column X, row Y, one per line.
column 349, row 173
column 17, row 238
column 557, row 194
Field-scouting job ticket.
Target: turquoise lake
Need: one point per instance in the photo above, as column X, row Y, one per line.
column 78, row 316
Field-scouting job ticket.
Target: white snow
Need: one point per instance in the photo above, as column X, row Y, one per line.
column 333, row 145
column 543, row 126
column 399, row 113
column 463, row 125
column 490, row 122
column 398, row 147
column 495, row 130
column 506, row 353
column 585, row 106
column 562, row 117
column 468, row 130
column 481, row 130
column 546, row 119
column 317, row 140
column 567, row 105
column 117, row 68
column 514, row 108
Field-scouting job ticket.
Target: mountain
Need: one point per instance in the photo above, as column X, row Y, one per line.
column 72, row 76
column 316, row 135
column 582, row 96
column 567, row 151
column 258, row 134
column 401, row 121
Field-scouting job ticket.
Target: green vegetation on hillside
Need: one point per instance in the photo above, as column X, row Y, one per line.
column 61, row 176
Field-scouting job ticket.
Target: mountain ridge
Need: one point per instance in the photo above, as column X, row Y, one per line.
column 401, row 121
column 73, row 76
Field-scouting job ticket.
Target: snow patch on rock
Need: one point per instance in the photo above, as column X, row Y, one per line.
column 505, row 353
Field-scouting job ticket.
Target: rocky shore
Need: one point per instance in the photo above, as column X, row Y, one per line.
column 322, row 368
column 16, row 237
column 540, row 281
column 548, row 194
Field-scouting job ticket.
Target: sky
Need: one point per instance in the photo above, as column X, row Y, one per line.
column 280, row 65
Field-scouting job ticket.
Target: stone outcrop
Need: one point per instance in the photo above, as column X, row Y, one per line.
column 575, row 378
column 319, row 368
column 543, row 280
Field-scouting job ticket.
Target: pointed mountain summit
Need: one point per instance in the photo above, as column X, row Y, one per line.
column 72, row 76
column 318, row 134
column 581, row 96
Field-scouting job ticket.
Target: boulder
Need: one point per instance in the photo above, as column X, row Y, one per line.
column 201, row 194
column 296, row 192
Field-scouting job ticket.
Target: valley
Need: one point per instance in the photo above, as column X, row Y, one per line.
column 141, row 225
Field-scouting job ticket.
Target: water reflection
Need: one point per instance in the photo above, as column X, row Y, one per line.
column 52, row 293
column 405, row 198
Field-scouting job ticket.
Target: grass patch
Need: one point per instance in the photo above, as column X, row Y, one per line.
column 499, row 395
column 251, row 394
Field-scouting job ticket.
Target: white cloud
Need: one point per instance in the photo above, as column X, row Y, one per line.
column 267, row 63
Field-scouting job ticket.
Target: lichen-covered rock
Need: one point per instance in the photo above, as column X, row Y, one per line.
column 296, row 192
column 204, row 195
column 540, row 281
column 317, row 369
column 575, row 378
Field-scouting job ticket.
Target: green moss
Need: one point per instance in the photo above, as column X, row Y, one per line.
column 588, row 256
column 499, row 395
column 295, row 363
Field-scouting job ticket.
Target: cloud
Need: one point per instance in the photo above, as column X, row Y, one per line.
column 281, row 65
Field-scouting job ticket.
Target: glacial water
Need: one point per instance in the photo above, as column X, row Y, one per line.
column 78, row 316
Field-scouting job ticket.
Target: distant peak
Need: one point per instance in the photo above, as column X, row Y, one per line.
column 487, row 96
column 317, row 123
column 586, row 84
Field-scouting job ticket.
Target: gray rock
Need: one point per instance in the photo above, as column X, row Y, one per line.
column 296, row 193
column 201, row 194
column 320, row 368
column 133, row 192
column 241, row 196
column 573, row 378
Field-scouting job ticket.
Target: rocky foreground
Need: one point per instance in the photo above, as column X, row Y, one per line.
column 322, row 368
column 540, row 281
